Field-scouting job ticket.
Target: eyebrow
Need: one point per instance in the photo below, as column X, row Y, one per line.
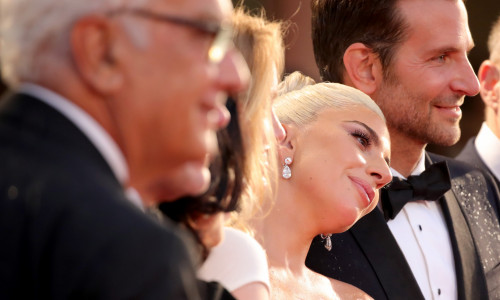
column 470, row 46
column 373, row 135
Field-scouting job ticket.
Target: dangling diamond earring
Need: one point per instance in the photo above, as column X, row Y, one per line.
column 287, row 172
column 328, row 242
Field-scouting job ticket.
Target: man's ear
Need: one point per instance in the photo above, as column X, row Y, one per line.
column 363, row 68
column 488, row 76
column 286, row 148
column 93, row 40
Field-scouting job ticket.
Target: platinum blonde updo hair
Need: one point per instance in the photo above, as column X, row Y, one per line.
column 301, row 99
column 34, row 34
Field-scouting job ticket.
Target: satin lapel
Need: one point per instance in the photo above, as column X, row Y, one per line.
column 381, row 249
column 470, row 278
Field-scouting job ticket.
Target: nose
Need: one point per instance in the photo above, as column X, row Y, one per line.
column 279, row 131
column 232, row 77
column 466, row 82
column 381, row 173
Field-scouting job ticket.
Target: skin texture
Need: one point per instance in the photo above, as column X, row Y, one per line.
column 253, row 290
column 329, row 155
column 212, row 79
column 166, row 117
column 429, row 77
column 489, row 78
column 324, row 163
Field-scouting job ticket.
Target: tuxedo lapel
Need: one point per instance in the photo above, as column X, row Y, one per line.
column 470, row 278
column 381, row 249
column 471, row 283
column 470, row 155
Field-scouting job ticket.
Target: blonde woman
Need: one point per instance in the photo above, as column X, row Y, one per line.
column 239, row 262
column 333, row 160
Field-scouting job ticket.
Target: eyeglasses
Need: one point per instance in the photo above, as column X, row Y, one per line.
column 222, row 33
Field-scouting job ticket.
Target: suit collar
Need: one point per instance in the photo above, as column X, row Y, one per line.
column 86, row 124
column 469, row 275
column 382, row 250
column 467, row 265
column 487, row 145
column 46, row 128
column 376, row 241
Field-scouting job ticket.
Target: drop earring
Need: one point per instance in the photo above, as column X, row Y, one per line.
column 328, row 241
column 287, row 172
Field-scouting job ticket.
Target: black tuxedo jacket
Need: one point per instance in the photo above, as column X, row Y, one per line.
column 368, row 256
column 469, row 155
column 66, row 229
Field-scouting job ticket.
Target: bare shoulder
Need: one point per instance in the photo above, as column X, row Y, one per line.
column 347, row 291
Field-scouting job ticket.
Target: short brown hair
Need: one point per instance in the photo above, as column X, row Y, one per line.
column 337, row 24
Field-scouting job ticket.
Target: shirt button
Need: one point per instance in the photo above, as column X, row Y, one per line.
column 420, row 227
column 439, row 291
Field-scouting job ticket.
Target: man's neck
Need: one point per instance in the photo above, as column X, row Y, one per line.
column 405, row 153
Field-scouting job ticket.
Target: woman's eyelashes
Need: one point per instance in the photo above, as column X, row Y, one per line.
column 362, row 137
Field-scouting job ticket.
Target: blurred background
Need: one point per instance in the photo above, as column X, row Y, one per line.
column 299, row 53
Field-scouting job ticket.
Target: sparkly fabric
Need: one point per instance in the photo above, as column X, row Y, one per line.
column 484, row 225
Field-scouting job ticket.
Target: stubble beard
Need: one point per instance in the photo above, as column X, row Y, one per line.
column 405, row 115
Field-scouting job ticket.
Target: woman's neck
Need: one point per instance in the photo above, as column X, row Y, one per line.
column 285, row 235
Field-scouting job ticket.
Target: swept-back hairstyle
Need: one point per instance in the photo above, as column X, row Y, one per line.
column 337, row 24
column 301, row 100
column 34, row 35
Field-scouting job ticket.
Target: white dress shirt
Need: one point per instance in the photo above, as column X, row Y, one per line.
column 488, row 146
column 91, row 129
column 421, row 233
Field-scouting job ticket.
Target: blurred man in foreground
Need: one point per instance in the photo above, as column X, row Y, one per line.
column 106, row 95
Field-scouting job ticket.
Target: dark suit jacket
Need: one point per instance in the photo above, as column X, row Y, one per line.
column 369, row 257
column 66, row 228
column 469, row 155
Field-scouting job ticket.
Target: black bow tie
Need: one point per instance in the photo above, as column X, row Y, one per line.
column 430, row 185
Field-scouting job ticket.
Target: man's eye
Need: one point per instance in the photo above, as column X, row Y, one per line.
column 441, row 58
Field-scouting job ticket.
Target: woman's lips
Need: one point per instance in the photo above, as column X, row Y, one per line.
column 364, row 189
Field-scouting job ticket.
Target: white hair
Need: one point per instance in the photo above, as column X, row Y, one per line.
column 34, row 35
column 301, row 99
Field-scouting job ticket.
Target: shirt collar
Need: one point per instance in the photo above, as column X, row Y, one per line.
column 90, row 128
column 417, row 171
column 487, row 146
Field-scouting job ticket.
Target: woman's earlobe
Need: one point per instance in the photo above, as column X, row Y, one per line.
column 286, row 147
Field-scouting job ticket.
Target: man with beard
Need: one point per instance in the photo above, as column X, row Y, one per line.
column 436, row 232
